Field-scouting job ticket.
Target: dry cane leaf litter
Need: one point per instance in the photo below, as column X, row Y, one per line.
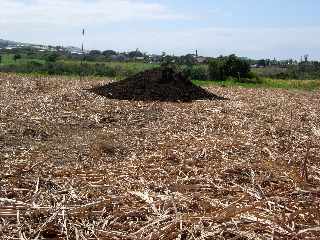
column 75, row 165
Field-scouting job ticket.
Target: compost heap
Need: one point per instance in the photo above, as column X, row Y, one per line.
column 159, row 84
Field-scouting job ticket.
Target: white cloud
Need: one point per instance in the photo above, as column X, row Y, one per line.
column 79, row 12
column 59, row 22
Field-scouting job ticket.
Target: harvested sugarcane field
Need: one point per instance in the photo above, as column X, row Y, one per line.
column 228, row 163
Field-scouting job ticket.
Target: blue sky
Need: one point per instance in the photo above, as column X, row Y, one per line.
column 257, row 29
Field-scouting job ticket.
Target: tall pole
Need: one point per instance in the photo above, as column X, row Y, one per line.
column 83, row 54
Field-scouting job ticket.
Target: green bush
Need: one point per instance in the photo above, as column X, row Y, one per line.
column 196, row 72
column 253, row 78
column 217, row 70
column 16, row 57
column 51, row 57
column 236, row 67
column 29, row 67
column 250, row 80
column 103, row 70
column 232, row 66
column 301, row 71
column 199, row 72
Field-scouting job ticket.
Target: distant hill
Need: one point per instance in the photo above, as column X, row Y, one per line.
column 8, row 44
column 13, row 44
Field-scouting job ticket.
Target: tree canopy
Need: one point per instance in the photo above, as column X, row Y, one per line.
column 232, row 66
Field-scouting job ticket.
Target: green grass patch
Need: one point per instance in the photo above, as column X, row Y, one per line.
column 309, row 85
column 133, row 67
column 8, row 59
column 121, row 69
column 116, row 70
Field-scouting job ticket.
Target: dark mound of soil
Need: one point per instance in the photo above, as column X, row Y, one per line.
column 159, row 84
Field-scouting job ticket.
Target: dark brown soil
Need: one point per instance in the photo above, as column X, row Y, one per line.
column 160, row 84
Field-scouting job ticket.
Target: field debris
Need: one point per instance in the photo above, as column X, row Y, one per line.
column 76, row 165
column 159, row 84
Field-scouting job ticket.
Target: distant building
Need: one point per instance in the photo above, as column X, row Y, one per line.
column 201, row 60
column 155, row 58
column 76, row 53
column 75, row 50
column 140, row 58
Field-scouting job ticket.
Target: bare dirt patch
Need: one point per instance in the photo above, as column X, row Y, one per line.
column 75, row 165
